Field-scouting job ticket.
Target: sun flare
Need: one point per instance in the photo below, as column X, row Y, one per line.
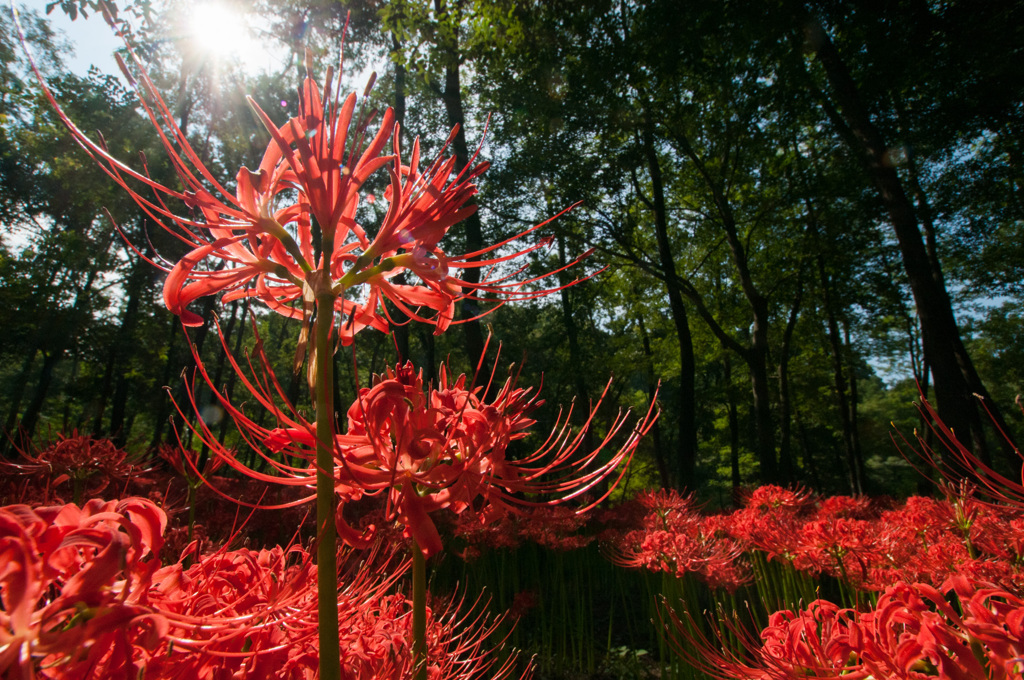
column 220, row 31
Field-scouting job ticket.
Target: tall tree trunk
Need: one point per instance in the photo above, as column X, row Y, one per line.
column 734, row 426
column 953, row 373
column 163, row 411
column 571, row 330
column 858, row 455
column 429, row 351
column 807, row 451
column 167, row 415
column 572, row 338
column 20, row 385
column 233, row 376
column 451, row 96
column 214, row 409
column 99, row 407
column 839, row 381
column 34, row 409
column 121, row 354
column 42, row 336
column 659, row 453
column 61, row 331
column 76, row 362
column 756, row 354
column 686, row 413
column 787, row 467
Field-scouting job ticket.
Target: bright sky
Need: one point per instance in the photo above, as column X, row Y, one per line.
column 93, row 41
column 213, row 28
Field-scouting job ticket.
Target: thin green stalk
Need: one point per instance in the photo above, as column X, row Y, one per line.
column 327, row 545
column 419, row 613
column 192, row 492
column 78, row 488
column 191, row 509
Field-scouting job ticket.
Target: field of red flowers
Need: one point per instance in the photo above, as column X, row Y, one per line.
column 167, row 579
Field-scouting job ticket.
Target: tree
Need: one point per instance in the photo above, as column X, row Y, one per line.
column 850, row 107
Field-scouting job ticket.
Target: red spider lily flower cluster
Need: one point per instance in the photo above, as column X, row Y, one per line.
column 866, row 544
column 73, row 583
column 554, row 528
column 292, row 235
column 558, row 528
column 676, row 539
column 446, row 448
column 772, row 497
column 258, row 241
column 914, row 632
column 185, row 462
column 863, row 543
column 91, row 465
column 259, row 614
column 429, row 448
column 84, row 595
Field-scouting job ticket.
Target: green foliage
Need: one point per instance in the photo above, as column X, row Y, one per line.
column 768, row 216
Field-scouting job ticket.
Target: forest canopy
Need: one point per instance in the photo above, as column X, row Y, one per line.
column 802, row 215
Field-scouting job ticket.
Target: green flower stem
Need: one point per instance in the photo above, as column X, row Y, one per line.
column 77, row 488
column 419, row 613
column 327, row 543
column 192, row 488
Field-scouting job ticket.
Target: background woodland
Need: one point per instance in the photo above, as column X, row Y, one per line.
column 803, row 213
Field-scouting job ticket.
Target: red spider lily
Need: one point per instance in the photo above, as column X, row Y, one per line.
column 667, row 509
column 848, row 507
column 73, row 581
column 522, row 603
column 845, row 548
column 809, row 643
column 90, row 465
column 555, row 528
column 253, row 614
column 912, row 633
column 673, row 537
column 955, row 459
column 916, row 544
column 770, row 531
column 770, row 518
column 185, row 462
column 84, row 596
column 923, row 541
column 502, row 534
column 689, row 545
column 769, row 497
column 447, row 447
column 257, row 241
column 681, row 553
column 427, row 449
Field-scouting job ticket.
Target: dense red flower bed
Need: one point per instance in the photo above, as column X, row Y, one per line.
column 932, row 586
column 95, row 591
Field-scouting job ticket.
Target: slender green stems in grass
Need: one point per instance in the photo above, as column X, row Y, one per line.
column 419, row 612
column 779, row 585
